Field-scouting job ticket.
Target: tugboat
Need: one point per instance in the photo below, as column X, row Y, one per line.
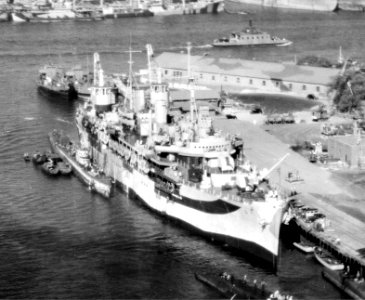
column 39, row 158
column 250, row 37
column 53, row 82
column 182, row 167
column 65, row 168
column 50, row 168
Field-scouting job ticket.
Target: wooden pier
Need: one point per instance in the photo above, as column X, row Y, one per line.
column 345, row 234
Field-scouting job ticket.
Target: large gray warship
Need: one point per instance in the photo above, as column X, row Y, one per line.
column 181, row 167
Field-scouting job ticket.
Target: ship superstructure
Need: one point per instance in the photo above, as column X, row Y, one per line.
column 181, row 166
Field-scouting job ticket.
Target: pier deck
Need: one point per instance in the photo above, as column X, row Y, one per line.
column 318, row 188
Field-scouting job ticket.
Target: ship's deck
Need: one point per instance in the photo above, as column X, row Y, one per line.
column 346, row 232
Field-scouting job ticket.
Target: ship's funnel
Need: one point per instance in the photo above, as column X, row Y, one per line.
column 103, row 98
column 159, row 98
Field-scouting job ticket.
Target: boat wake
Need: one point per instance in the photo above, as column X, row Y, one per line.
column 63, row 121
column 203, row 46
column 285, row 44
column 29, row 118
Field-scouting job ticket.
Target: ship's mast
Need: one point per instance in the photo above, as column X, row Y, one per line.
column 340, row 59
column 191, row 84
column 96, row 68
column 130, row 62
column 149, row 55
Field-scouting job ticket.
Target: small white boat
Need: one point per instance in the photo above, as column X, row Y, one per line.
column 327, row 260
column 305, row 247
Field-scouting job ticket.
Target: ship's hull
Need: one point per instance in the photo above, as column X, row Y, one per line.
column 352, row 5
column 237, row 225
column 57, row 93
column 43, row 16
column 4, row 16
column 260, row 255
column 254, row 44
column 18, row 17
column 255, row 5
column 128, row 14
column 211, row 8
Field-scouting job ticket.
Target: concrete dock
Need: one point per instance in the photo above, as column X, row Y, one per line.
column 346, row 232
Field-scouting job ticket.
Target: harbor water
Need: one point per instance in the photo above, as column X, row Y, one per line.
column 58, row 240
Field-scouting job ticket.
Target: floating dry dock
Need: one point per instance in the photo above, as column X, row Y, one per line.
column 345, row 235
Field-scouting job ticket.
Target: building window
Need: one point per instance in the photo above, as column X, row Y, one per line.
column 304, row 87
column 251, row 81
column 277, row 83
column 177, row 73
column 166, row 72
column 238, row 80
column 225, row 78
column 201, row 76
column 318, row 89
column 263, row 82
column 290, row 86
column 213, row 77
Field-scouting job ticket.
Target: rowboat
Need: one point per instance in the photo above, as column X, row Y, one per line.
column 327, row 260
column 304, row 246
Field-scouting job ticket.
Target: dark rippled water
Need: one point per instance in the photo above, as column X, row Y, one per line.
column 60, row 241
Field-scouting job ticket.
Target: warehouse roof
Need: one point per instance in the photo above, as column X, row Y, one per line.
column 248, row 68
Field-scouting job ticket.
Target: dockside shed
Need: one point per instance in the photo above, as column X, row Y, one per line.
column 235, row 75
column 349, row 149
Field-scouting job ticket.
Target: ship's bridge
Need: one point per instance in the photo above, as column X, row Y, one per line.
column 211, row 144
column 208, row 147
